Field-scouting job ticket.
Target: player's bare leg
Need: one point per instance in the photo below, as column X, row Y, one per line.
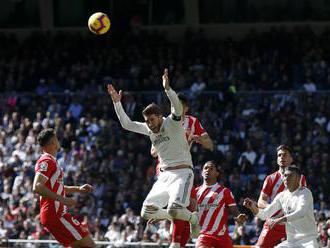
column 84, row 243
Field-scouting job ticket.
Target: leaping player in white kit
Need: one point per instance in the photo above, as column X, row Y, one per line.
column 173, row 187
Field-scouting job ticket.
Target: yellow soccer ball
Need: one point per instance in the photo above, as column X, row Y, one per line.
column 99, row 23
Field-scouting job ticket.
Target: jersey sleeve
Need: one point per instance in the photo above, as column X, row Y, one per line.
column 193, row 193
column 199, row 130
column 272, row 208
column 176, row 106
column 127, row 123
column 229, row 198
column 267, row 186
column 46, row 168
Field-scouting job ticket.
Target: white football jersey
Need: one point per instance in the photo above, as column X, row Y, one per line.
column 298, row 208
column 170, row 142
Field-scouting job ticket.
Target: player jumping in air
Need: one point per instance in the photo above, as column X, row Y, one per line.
column 172, row 189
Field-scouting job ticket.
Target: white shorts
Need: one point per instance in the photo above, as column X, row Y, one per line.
column 305, row 243
column 171, row 187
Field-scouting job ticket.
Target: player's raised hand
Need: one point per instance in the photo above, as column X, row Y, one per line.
column 248, row 203
column 241, row 218
column 166, row 81
column 69, row 202
column 115, row 96
column 86, row 188
column 194, row 139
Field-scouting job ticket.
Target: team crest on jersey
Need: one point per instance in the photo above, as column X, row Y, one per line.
column 43, row 166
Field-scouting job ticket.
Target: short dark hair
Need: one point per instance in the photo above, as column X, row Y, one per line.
column 152, row 109
column 183, row 99
column 293, row 168
column 215, row 164
column 285, row 147
column 45, row 136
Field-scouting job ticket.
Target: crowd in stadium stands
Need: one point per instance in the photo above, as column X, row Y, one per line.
column 246, row 127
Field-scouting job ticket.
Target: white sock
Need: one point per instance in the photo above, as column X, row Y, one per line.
column 155, row 214
column 184, row 214
column 162, row 214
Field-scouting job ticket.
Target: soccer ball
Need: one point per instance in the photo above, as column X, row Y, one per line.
column 99, row 23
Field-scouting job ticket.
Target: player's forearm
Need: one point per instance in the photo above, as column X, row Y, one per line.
column 71, row 189
column 127, row 123
column 262, row 204
column 268, row 211
column 42, row 190
column 234, row 211
column 124, row 120
column 176, row 106
column 207, row 143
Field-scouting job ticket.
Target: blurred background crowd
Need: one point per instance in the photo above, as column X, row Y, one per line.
column 239, row 90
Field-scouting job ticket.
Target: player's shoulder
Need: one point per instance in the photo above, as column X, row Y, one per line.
column 274, row 176
column 197, row 188
column 225, row 189
column 46, row 158
column 191, row 117
column 304, row 190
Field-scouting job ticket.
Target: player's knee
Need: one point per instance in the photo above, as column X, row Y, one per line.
column 173, row 210
column 148, row 211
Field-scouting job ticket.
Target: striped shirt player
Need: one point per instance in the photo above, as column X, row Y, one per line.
column 53, row 214
column 213, row 203
column 272, row 186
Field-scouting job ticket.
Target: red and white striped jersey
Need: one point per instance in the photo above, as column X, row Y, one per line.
column 274, row 184
column 213, row 202
column 192, row 126
column 47, row 166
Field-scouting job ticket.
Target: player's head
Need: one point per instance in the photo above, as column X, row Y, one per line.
column 47, row 139
column 292, row 175
column 184, row 101
column 284, row 156
column 211, row 172
column 153, row 117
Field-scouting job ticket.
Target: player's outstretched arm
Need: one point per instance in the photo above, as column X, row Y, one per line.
column 239, row 218
column 263, row 213
column 86, row 188
column 207, row 142
column 40, row 188
column 124, row 120
column 176, row 106
column 263, row 201
column 204, row 140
